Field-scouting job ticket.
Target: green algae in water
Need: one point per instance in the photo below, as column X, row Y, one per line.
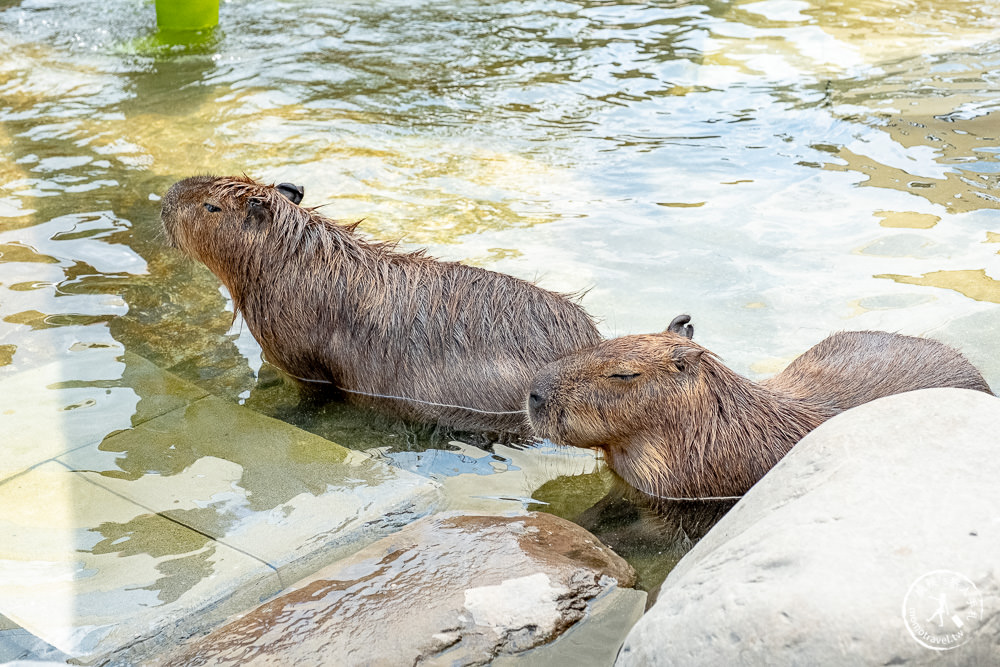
column 569, row 496
column 651, row 536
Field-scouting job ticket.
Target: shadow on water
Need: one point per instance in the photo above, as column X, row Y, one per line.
column 185, row 556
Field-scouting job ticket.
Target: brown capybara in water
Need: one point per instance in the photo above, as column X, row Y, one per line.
column 673, row 421
column 329, row 306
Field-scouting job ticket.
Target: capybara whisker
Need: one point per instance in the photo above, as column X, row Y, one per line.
column 675, row 423
column 325, row 302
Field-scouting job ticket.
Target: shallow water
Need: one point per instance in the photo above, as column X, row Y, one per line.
column 780, row 169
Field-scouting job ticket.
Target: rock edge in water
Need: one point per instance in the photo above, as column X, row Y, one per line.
column 453, row 587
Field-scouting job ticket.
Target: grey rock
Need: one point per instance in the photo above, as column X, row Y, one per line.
column 453, row 588
column 877, row 537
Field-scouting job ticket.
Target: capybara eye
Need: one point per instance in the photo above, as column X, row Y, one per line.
column 624, row 376
column 211, row 208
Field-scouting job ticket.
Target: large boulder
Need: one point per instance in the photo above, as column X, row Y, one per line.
column 452, row 588
column 875, row 541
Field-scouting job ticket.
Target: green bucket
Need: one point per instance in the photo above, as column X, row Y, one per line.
column 187, row 14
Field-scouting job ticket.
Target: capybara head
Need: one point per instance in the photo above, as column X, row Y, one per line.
column 628, row 397
column 213, row 218
column 600, row 397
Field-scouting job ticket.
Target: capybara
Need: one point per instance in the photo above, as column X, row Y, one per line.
column 673, row 421
column 329, row 306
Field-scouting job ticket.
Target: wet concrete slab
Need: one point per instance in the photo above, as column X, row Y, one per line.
column 166, row 510
column 55, row 408
column 292, row 499
column 87, row 571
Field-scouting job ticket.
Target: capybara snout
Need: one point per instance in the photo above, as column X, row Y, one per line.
column 539, row 391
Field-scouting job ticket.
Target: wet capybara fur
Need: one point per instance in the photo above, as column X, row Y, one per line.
column 329, row 306
column 673, row 421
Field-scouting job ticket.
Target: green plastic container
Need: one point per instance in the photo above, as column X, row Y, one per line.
column 187, row 14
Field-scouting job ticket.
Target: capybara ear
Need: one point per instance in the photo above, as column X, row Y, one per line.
column 257, row 213
column 679, row 325
column 292, row 192
column 686, row 358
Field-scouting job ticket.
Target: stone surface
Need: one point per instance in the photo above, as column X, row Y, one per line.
column 88, row 571
column 821, row 561
column 135, row 509
column 451, row 589
column 259, row 485
column 53, row 409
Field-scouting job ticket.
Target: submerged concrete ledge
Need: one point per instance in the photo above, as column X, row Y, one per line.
column 198, row 511
column 140, row 511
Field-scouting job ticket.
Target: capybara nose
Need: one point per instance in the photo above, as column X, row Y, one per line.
column 540, row 390
column 291, row 191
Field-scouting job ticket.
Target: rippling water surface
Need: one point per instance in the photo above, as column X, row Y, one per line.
column 780, row 169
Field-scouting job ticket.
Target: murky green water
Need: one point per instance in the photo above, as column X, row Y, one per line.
column 780, row 169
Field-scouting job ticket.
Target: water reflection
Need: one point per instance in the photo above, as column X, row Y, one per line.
column 438, row 463
column 974, row 284
column 650, row 533
column 274, row 467
column 151, row 536
column 942, row 136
